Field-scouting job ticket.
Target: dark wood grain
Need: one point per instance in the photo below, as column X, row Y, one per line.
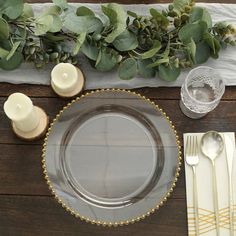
column 26, row 215
column 153, row 93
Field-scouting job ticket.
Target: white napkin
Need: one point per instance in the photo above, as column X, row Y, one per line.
column 205, row 193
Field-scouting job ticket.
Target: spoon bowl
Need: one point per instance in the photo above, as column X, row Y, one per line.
column 212, row 144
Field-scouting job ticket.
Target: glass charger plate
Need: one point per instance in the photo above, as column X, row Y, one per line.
column 111, row 157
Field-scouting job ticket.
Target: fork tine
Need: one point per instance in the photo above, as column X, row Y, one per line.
column 196, row 145
column 187, row 146
column 191, row 146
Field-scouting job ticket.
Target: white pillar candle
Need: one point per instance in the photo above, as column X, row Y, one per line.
column 20, row 109
column 64, row 78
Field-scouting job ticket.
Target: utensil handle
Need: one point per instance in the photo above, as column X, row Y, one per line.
column 195, row 200
column 215, row 199
column 231, row 202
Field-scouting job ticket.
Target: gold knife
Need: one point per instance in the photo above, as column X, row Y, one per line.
column 229, row 148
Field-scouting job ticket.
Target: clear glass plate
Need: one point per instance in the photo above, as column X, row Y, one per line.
column 111, row 157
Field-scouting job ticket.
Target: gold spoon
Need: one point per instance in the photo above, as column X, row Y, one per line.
column 212, row 144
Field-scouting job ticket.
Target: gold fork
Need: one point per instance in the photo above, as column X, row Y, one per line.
column 192, row 159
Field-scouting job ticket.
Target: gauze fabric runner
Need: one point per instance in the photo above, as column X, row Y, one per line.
column 225, row 64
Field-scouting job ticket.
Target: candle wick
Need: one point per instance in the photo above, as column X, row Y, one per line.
column 65, row 75
column 18, row 107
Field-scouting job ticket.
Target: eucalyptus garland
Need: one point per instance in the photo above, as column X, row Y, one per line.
column 161, row 42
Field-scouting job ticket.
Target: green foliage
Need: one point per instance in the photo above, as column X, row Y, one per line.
column 43, row 24
column 159, row 17
column 11, row 8
column 3, row 53
column 203, row 52
column 168, row 73
column 84, row 11
column 144, row 70
column 191, row 48
column 61, row 3
column 200, row 14
column 27, row 11
column 127, row 69
column 126, row 41
column 81, row 24
column 90, row 50
column 193, row 31
column 152, row 52
column 13, row 62
column 117, row 17
column 4, row 29
column 162, row 42
column 213, row 43
column 79, row 42
column 13, row 50
column 107, row 59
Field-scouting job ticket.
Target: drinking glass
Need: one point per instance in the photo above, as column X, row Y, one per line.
column 201, row 92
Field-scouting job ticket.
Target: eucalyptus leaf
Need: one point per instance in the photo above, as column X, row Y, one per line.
column 152, row 52
column 144, row 70
column 27, row 11
column 55, row 12
column 200, row 14
column 158, row 62
column 117, row 17
column 43, row 24
column 104, row 19
column 13, row 50
column 193, row 31
column 159, row 17
column 11, row 8
column 125, row 41
column 56, row 25
column 107, row 60
column 213, row 43
column 84, row 11
column 191, row 47
column 203, row 52
column 61, row 3
column 81, row 24
column 79, row 41
column 133, row 14
column 6, row 44
column 127, row 69
column 179, row 5
column 13, row 63
column 208, row 38
column 169, row 73
column 90, row 51
column 3, row 53
column 4, row 29
column 52, row 10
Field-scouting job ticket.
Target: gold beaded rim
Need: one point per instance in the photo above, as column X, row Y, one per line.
column 104, row 223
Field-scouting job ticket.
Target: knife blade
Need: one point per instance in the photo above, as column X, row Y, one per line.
column 229, row 149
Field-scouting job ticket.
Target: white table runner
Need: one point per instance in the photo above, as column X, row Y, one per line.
column 226, row 64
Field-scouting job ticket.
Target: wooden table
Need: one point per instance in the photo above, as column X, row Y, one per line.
column 28, row 208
